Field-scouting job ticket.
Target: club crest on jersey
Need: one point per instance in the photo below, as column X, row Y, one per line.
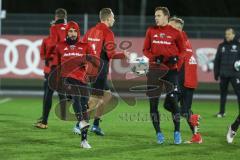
column 223, row 49
column 72, row 46
column 155, row 36
column 234, row 48
column 63, row 28
column 65, row 49
column 162, row 35
column 237, row 81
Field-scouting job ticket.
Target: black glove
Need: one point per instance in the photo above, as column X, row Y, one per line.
column 216, row 77
column 159, row 59
column 46, row 62
column 173, row 60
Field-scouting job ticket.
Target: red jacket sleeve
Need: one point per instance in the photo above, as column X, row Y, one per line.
column 53, row 34
column 110, row 46
column 181, row 43
column 147, row 45
column 56, row 56
column 93, row 63
column 90, row 49
column 43, row 50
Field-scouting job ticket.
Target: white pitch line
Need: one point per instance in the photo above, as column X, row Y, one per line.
column 5, row 100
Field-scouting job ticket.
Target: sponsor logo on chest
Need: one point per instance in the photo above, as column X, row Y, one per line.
column 75, row 54
column 93, row 39
column 161, row 42
column 72, row 50
column 234, row 48
column 162, row 38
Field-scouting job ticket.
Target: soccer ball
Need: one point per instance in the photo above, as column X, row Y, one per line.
column 140, row 66
column 237, row 65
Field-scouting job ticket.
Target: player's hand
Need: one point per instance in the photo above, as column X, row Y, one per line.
column 46, row 62
column 216, row 78
column 159, row 59
column 173, row 60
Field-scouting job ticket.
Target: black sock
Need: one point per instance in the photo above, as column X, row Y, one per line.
column 47, row 104
column 236, row 124
column 84, row 134
column 188, row 118
column 46, row 111
column 222, row 104
column 155, row 114
column 156, row 121
column 96, row 121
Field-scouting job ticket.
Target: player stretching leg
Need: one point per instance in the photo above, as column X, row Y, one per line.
column 187, row 82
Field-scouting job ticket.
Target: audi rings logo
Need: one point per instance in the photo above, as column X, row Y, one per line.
column 11, row 57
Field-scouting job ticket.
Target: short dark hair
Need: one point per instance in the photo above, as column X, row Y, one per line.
column 61, row 13
column 164, row 10
column 230, row 28
column 105, row 13
column 177, row 20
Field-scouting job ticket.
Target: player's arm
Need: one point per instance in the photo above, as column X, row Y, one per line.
column 187, row 43
column 181, row 45
column 109, row 46
column 183, row 57
column 56, row 56
column 43, row 50
column 217, row 61
column 147, row 45
column 53, row 34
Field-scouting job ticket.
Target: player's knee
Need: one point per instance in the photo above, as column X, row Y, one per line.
column 176, row 116
column 168, row 107
column 185, row 115
column 171, row 103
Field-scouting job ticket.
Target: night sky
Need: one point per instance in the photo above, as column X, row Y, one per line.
column 207, row 8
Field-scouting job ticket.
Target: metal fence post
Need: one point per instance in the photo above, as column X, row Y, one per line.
column 85, row 22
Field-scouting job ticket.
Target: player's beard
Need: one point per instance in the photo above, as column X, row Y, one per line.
column 71, row 40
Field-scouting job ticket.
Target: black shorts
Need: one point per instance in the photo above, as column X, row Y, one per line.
column 160, row 83
column 101, row 83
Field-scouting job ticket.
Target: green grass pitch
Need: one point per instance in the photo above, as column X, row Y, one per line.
column 129, row 134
